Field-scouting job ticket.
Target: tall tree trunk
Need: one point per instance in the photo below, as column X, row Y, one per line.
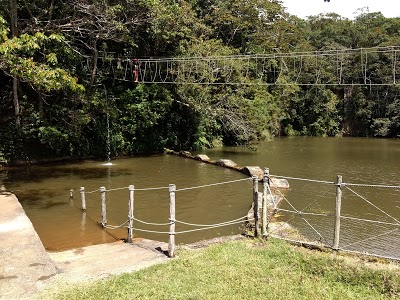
column 14, row 32
column 16, row 102
column 95, row 58
column 347, row 117
column 41, row 110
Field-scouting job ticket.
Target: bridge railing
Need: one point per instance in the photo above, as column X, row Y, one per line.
column 364, row 66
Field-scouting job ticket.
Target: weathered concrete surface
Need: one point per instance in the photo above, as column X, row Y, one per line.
column 202, row 157
column 25, row 265
column 100, row 261
column 226, row 163
column 254, row 171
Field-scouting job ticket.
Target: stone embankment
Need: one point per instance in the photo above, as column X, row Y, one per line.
column 278, row 186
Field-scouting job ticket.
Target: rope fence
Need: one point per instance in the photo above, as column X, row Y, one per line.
column 273, row 201
column 352, row 241
column 172, row 219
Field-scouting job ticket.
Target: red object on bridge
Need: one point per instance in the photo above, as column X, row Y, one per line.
column 135, row 70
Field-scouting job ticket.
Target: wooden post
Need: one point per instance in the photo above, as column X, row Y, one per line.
column 255, row 205
column 103, row 206
column 130, row 213
column 264, row 203
column 171, row 242
column 71, row 197
column 337, row 212
column 83, row 221
column 82, row 190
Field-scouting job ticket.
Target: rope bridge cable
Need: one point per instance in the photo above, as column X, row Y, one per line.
column 369, row 202
column 254, row 66
column 213, row 184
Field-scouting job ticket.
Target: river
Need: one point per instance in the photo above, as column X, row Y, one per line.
column 44, row 193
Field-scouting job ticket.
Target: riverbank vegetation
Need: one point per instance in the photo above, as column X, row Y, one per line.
column 59, row 99
column 247, row 269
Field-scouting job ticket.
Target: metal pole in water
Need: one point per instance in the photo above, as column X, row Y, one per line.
column 130, row 214
column 171, row 242
column 337, row 212
column 103, row 206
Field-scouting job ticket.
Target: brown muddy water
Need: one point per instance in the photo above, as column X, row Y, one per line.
column 44, row 193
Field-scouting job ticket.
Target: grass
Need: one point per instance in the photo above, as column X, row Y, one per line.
column 246, row 269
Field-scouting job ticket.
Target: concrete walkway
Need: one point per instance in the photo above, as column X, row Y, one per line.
column 26, row 267
column 100, row 261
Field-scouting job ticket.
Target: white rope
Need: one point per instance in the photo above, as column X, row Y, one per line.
column 152, row 189
column 212, row 184
column 151, row 231
column 302, row 213
column 92, row 191
column 210, row 227
column 308, row 223
column 115, row 227
column 207, row 225
column 370, row 238
column 301, row 179
column 354, row 192
column 136, row 189
column 272, row 196
column 369, row 221
column 372, row 185
column 116, row 189
column 154, row 224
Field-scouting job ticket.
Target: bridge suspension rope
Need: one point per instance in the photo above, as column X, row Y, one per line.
column 365, row 66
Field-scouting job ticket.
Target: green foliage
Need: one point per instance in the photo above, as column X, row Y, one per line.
column 67, row 59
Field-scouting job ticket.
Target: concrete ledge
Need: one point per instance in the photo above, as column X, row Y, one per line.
column 25, row 265
column 227, row 163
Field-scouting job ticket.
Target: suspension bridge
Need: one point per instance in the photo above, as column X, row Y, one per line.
column 364, row 66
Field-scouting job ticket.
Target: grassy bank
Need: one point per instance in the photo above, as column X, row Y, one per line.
column 247, row 269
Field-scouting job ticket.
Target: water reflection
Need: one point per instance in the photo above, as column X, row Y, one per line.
column 43, row 191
